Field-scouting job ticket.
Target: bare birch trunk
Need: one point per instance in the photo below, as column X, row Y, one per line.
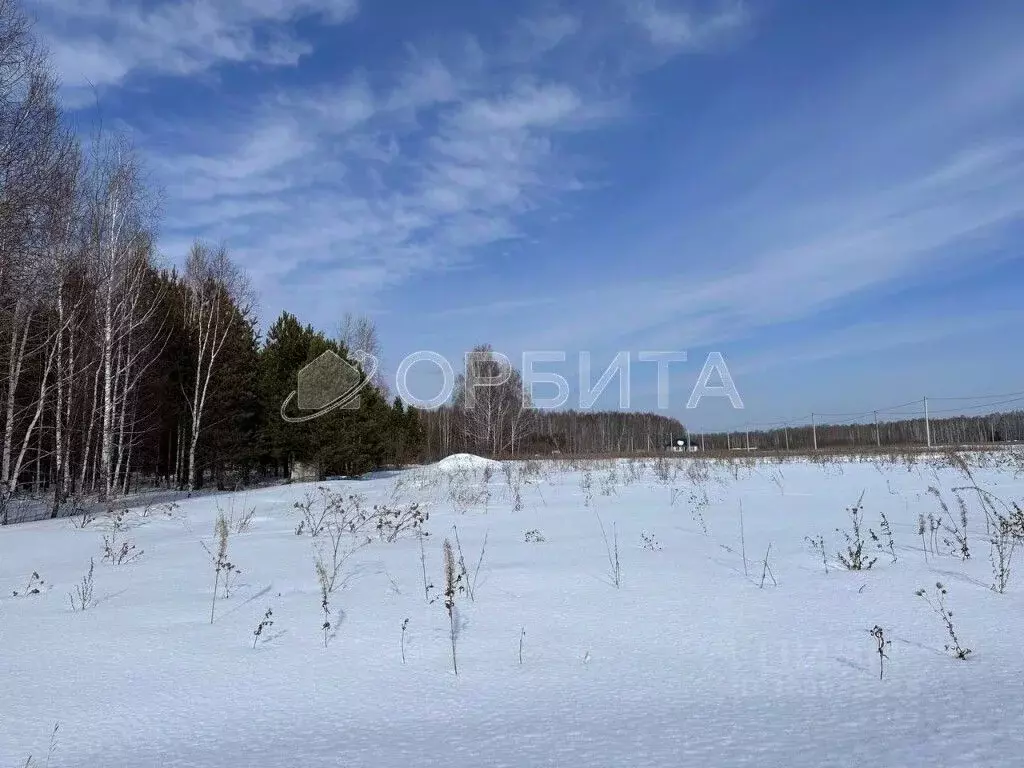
column 14, row 374
column 58, row 425
column 88, row 445
column 106, row 419
column 41, row 404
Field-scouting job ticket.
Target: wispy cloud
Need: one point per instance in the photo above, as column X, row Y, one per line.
column 103, row 42
column 436, row 156
column 494, row 307
column 853, row 243
column 867, row 189
column 441, row 157
column 681, row 28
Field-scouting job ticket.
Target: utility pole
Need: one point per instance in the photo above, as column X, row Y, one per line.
column 702, row 442
column 878, row 439
column 927, row 425
column 747, row 428
column 814, row 432
column 787, row 437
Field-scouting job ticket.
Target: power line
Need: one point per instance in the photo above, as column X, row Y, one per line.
column 897, row 407
column 981, row 397
column 872, row 412
column 812, row 420
column 980, row 405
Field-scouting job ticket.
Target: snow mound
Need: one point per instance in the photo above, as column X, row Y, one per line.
column 465, row 462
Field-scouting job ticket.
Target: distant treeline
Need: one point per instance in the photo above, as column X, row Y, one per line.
column 955, row 430
column 553, row 432
column 500, row 421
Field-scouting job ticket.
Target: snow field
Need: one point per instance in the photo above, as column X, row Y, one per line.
column 689, row 662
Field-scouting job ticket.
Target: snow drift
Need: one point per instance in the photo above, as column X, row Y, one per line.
column 464, row 462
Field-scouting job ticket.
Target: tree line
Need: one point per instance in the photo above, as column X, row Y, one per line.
column 498, row 420
column 115, row 368
column 954, row 430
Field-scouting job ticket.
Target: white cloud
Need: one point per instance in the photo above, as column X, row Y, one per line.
column 536, row 36
column 684, row 28
column 526, row 106
column 104, row 42
column 370, row 178
column 382, row 182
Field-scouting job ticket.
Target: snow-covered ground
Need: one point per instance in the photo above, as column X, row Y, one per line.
column 689, row 662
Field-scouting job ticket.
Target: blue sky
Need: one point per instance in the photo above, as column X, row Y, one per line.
column 829, row 194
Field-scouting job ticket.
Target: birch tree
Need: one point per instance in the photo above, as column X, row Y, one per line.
column 34, row 147
column 358, row 332
column 120, row 219
column 217, row 295
column 489, row 398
